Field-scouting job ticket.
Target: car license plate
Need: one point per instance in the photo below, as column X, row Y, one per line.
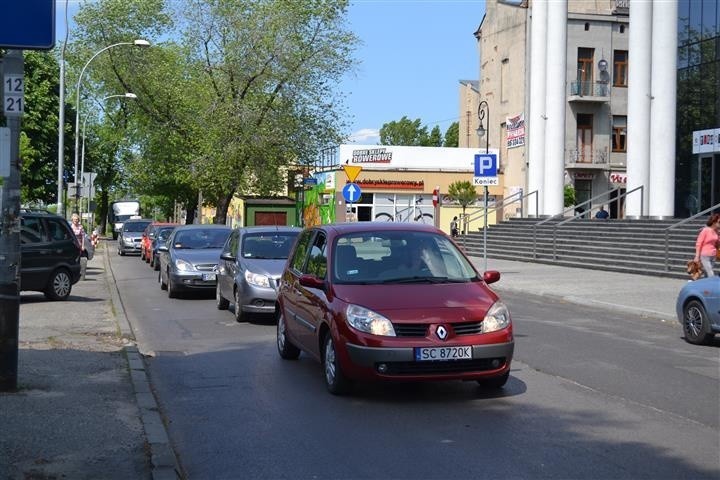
column 443, row 353
column 208, row 277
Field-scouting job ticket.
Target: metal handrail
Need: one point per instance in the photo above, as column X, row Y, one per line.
column 681, row 222
column 503, row 204
column 578, row 215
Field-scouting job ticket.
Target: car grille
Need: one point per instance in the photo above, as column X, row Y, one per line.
column 205, row 267
column 429, row 368
column 420, row 329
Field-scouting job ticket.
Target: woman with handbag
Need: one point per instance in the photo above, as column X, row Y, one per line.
column 707, row 244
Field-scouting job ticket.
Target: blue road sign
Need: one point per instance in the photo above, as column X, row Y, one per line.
column 351, row 192
column 27, row 24
column 486, row 168
column 310, row 181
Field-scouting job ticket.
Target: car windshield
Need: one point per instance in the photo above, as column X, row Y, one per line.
column 198, row 238
column 135, row 226
column 399, row 257
column 268, row 245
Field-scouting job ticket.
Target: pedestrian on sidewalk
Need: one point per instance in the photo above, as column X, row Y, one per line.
column 707, row 244
column 79, row 232
column 454, row 227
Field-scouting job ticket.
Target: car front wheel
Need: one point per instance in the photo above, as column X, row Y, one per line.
column 495, row 382
column 695, row 323
column 221, row 302
column 335, row 379
column 59, row 286
column 239, row 316
column 286, row 349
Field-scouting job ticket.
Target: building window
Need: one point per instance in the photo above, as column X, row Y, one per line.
column 584, row 138
column 587, row 26
column 619, row 133
column 620, row 70
column 585, row 70
column 622, row 28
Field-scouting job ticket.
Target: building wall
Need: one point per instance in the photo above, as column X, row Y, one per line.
column 468, row 123
column 502, row 45
column 698, row 103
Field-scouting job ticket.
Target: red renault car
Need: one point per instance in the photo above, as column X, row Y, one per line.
column 391, row 301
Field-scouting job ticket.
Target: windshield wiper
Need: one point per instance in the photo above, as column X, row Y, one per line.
column 417, row 279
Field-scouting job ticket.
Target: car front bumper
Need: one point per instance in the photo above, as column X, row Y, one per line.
column 192, row 280
column 255, row 299
column 399, row 363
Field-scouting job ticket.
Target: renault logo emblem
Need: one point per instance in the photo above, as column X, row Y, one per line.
column 441, row 332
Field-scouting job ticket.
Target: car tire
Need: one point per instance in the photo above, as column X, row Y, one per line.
column 286, row 348
column 59, row 285
column 696, row 326
column 221, row 302
column 171, row 288
column 335, row 379
column 163, row 285
column 239, row 315
column 495, row 382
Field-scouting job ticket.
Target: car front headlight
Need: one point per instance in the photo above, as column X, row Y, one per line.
column 368, row 321
column 183, row 266
column 257, row 279
column 497, row 318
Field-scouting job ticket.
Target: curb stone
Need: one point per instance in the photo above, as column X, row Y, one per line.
column 164, row 463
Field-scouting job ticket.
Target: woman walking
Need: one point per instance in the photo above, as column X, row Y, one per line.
column 707, row 244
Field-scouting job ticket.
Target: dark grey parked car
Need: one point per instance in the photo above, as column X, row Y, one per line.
column 250, row 266
column 131, row 235
column 189, row 258
column 49, row 255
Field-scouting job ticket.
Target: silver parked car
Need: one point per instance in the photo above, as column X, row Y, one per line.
column 250, row 266
column 189, row 258
column 130, row 237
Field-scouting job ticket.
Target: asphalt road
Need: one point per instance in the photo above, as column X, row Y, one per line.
column 592, row 394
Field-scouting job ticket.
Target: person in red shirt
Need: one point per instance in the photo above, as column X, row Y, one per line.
column 707, row 244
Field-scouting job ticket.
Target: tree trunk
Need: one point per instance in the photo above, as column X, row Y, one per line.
column 190, row 214
column 222, row 208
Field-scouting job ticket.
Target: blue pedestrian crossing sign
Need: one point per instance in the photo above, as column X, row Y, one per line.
column 351, row 192
column 486, row 168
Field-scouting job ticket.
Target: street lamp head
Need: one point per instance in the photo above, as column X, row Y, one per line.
column 141, row 43
column 480, row 131
column 130, row 95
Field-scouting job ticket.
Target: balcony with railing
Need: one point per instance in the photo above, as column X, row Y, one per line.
column 589, row 92
column 587, row 158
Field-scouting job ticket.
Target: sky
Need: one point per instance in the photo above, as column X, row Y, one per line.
column 412, row 56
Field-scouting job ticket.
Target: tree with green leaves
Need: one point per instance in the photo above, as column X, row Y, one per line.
column 463, row 192
column 39, row 130
column 243, row 92
column 452, row 135
column 404, row 132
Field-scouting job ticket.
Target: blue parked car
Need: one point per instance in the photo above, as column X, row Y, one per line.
column 698, row 309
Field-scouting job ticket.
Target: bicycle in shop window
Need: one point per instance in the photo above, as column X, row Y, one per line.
column 406, row 214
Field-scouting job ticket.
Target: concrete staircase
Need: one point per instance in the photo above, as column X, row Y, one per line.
column 629, row 246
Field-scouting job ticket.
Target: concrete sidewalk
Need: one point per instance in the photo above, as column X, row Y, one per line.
column 78, row 411
column 635, row 294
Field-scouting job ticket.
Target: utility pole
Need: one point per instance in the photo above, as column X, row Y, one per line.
column 11, row 69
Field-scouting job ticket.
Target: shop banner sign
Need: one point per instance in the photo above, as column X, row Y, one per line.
column 515, row 131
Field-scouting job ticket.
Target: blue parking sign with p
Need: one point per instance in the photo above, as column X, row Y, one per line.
column 486, row 165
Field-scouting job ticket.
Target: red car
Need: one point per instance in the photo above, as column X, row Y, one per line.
column 147, row 238
column 391, row 301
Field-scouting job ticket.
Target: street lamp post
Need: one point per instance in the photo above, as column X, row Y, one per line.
column 481, row 131
column 136, row 43
column 78, row 188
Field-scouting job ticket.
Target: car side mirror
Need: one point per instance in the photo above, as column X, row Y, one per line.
column 311, row 281
column 491, row 276
column 163, row 248
column 227, row 256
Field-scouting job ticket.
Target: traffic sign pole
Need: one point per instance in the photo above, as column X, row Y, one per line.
column 11, row 68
